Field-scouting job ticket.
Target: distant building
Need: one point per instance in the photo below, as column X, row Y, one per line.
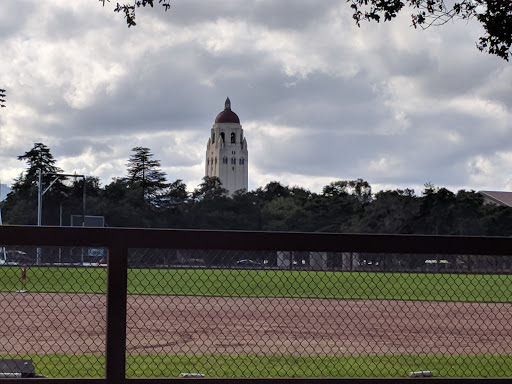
column 496, row 197
column 226, row 151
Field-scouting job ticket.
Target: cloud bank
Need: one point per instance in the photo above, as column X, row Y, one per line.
column 319, row 98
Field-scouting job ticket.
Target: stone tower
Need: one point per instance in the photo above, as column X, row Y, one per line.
column 226, row 151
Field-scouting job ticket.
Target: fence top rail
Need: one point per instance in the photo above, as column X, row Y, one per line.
column 243, row 240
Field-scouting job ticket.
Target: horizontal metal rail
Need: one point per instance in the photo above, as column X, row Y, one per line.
column 241, row 240
column 118, row 241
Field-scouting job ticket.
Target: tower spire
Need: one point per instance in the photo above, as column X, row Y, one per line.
column 227, row 104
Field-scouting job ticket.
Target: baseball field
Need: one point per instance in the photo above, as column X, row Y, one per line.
column 262, row 323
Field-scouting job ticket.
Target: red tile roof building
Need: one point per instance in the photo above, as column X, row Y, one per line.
column 497, row 197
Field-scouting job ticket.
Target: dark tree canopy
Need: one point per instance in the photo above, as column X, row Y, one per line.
column 38, row 158
column 20, row 204
column 144, row 171
column 211, row 188
column 346, row 206
column 129, row 8
column 494, row 15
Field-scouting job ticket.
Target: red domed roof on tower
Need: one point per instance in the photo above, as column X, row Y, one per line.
column 227, row 115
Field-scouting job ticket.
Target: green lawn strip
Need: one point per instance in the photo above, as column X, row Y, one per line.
column 269, row 283
column 239, row 366
column 53, row 279
column 62, row 365
column 314, row 284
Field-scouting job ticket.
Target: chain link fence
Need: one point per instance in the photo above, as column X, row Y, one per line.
column 260, row 314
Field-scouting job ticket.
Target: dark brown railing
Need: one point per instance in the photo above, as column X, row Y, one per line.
column 118, row 241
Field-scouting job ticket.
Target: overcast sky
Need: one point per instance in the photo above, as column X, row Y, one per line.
column 319, row 99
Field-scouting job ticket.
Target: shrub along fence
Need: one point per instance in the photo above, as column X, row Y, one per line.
column 102, row 305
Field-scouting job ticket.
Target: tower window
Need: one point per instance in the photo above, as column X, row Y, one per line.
column 215, row 161
column 233, row 138
column 222, row 137
column 233, row 160
column 224, row 160
column 213, row 137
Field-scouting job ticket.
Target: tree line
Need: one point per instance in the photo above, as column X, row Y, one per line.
column 145, row 198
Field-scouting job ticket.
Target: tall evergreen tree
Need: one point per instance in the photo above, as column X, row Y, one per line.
column 21, row 203
column 38, row 158
column 144, row 172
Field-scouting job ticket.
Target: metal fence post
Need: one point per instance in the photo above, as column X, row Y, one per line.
column 115, row 361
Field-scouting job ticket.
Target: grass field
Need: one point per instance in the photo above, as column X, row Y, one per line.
column 268, row 283
column 161, row 365
column 272, row 283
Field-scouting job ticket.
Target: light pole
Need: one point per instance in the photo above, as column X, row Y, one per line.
column 4, row 260
column 58, row 175
column 2, row 98
column 41, row 193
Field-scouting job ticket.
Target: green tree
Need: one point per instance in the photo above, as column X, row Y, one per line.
column 282, row 214
column 390, row 212
column 176, row 193
column 437, row 214
column 21, row 203
column 38, row 158
column 174, row 205
column 211, row 188
column 211, row 208
column 494, row 15
column 72, row 201
column 273, row 190
column 338, row 208
column 469, row 212
column 496, row 220
column 247, row 206
column 359, row 188
column 144, row 172
column 121, row 205
column 129, row 8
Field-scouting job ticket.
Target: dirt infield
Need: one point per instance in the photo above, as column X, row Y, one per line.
column 75, row 323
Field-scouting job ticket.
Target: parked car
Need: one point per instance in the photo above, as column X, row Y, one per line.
column 248, row 263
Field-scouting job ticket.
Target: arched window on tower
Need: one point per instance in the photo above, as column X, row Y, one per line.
column 233, row 138
column 225, row 160
column 222, row 137
column 213, row 137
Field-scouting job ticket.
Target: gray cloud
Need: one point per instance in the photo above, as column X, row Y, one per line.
column 319, row 98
